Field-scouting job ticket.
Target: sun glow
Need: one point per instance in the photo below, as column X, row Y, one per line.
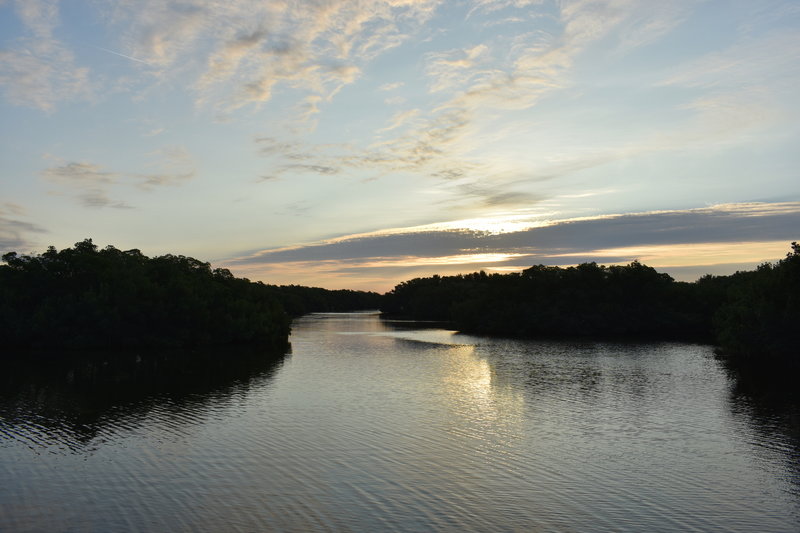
column 678, row 255
column 461, row 259
column 494, row 224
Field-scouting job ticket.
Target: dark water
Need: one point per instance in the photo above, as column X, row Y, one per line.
column 373, row 426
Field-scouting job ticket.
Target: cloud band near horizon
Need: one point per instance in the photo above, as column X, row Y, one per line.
column 715, row 235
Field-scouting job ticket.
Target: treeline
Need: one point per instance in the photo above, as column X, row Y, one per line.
column 298, row 300
column 760, row 312
column 749, row 314
column 85, row 297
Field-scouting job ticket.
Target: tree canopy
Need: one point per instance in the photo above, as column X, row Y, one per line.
column 85, row 297
column 749, row 314
column 90, row 298
column 761, row 312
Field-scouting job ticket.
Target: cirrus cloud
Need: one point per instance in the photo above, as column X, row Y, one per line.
column 38, row 70
column 14, row 230
column 92, row 185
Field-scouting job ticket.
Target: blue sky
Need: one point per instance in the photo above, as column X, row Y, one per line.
column 356, row 144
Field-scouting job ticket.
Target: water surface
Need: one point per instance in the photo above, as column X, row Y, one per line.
column 369, row 425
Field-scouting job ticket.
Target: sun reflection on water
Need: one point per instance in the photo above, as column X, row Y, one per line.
column 477, row 399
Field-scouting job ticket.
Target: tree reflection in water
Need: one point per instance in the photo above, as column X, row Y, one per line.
column 73, row 402
column 767, row 401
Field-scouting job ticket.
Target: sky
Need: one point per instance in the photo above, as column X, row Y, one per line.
column 360, row 143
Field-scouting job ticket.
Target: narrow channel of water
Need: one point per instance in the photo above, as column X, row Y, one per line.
column 369, row 425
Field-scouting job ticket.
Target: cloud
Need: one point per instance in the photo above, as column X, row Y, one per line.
column 148, row 181
column 225, row 61
column 509, row 198
column 650, row 24
column 160, row 32
column 400, row 118
column 294, row 156
column 513, row 72
column 751, row 83
column 92, row 184
column 37, row 70
column 97, row 199
column 395, row 100
column 774, row 56
column 679, row 238
column 88, row 182
column 234, row 53
column 470, row 86
column 418, row 244
column 391, row 86
column 82, row 174
column 454, row 69
column 319, row 169
column 13, row 231
column 172, row 156
column 241, row 52
column 272, row 146
column 483, row 99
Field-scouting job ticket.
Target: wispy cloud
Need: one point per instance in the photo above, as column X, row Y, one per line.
column 454, row 69
column 428, row 108
column 92, row 185
column 391, row 86
column 37, row 70
column 242, row 52
column 472, row 87
column 748, row 85
column 14, row 232
column 239, row 54
column 122, row 55
column 87, row 181
column 648, row 22
column 319, row 169
column 774, row 56
column 236, row 53
column 400, row 118
column 158, row 32
column 83, row 174
column 174, row 165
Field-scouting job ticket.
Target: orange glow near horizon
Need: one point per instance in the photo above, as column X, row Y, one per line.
column 382, row 273
column 695, row 254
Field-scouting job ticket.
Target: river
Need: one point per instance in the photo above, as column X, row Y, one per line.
column 371, row 425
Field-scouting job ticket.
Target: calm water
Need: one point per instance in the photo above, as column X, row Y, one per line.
column 371, row 426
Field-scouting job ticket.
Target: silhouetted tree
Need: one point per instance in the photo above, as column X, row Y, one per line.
column 748, row 313
column 760, row 317
column 299, row 300
column 85, row 297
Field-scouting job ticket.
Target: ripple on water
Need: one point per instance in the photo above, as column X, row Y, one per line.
column 368, row 427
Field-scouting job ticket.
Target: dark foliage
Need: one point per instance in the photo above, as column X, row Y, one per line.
column 749, row 314
column 90, row 298
column 298, row 300
column 760, row 318
column 589, row 300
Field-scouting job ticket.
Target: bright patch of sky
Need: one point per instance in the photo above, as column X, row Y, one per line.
column 237, row 130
